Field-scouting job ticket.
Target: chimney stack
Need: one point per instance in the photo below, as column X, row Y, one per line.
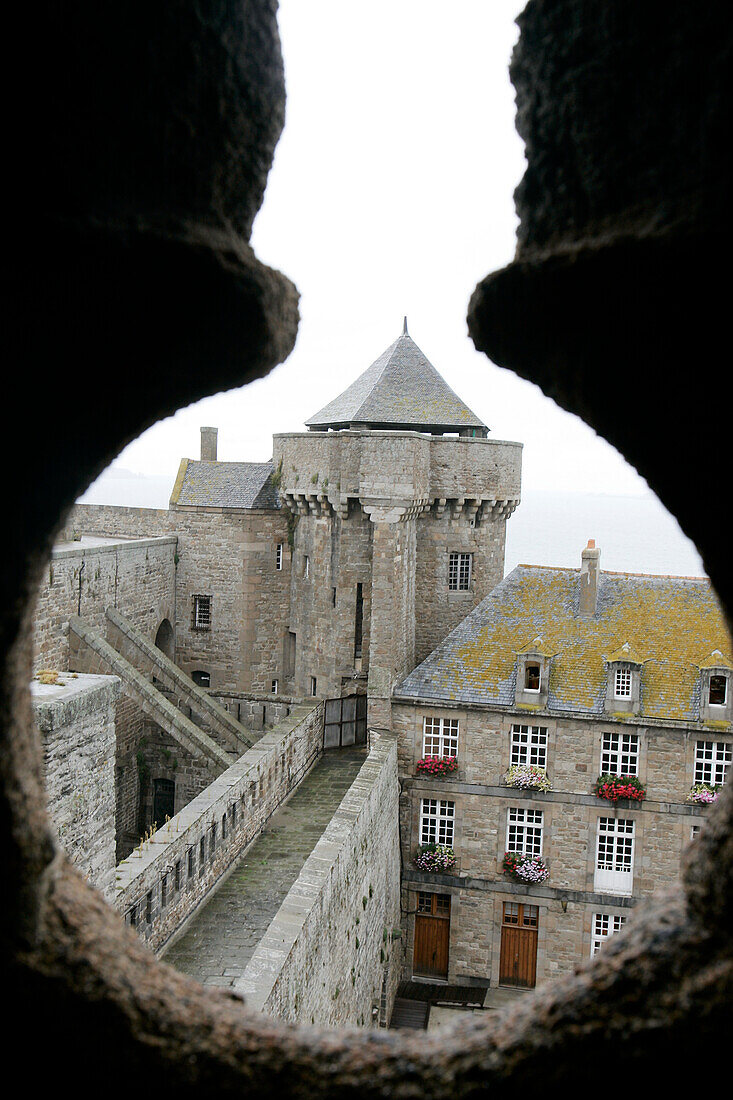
column 589, row 562
column 208, row 444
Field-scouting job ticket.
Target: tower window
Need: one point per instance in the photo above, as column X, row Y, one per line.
column 279, row 556
column 459, row 572
column 358, row 621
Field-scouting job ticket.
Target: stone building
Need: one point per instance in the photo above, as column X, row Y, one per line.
column 327, row 573
column 562, row 744
column 363, row 566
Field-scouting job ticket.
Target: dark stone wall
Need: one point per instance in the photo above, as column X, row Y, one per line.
column 128, row 244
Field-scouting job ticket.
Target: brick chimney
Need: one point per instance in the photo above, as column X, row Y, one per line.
column 589, row 569
column 208, row 444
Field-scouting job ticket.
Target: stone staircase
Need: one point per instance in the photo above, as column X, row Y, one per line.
column 206, row 712
column 90, row 652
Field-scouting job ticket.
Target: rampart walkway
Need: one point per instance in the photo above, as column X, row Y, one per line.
column 219, row 939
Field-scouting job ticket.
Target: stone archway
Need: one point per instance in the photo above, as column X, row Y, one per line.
column 135, row 257
column 165, row 640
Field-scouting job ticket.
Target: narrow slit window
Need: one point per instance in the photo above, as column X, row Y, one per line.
column 358, row 621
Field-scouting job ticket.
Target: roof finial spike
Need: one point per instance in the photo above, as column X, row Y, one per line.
column 404, row 329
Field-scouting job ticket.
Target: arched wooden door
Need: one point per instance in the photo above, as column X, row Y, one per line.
column 518, row 963
column 432, row 935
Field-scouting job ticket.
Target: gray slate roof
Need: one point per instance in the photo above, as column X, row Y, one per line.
column 401, row 388
column 673, row 624
column 225, row 485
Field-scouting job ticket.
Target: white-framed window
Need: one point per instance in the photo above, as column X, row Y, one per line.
column 528, row 745
column 459, row 572
column 622, row 683
column 440, row 737
column 532, row 677
column 604, row 926
column 201, row 612
column 718, row 691
column 437, row 821
column 712, row 760
column 275, row 687
column 694, row 830
column 524, row 831
column 620, row 754
column 614, row 856
column 279, row 556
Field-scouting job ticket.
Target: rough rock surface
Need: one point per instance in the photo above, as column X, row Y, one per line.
column 132, row 268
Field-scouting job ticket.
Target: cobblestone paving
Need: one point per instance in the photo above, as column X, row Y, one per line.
column 220, row 938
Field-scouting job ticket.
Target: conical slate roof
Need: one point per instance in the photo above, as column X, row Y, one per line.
column 401, row 389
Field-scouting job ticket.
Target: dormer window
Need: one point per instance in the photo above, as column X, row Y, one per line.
column 715, row 688
column 718, row 692
column 532, row 677
column 624, row 680
column 622, row 683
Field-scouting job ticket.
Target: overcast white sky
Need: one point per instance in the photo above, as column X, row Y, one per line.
column 391, row 194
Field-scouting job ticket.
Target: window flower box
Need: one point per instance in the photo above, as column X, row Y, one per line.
column 525, row 868
column 437, row 765
column 703, row 794
column 615, row 787
column 435, row 857
column 527, row 777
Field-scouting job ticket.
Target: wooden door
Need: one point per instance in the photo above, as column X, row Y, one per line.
column 518, row 964
column 432, row 935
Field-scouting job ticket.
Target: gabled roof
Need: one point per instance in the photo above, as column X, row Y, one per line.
column 668, row 623
column 401, row 389
column 224, row 485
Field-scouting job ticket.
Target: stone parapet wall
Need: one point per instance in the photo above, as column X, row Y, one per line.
column 136, row 576
column 326, row 469
column 330, row 956
column 111, row 520
column 164, row 879
column 76, row 717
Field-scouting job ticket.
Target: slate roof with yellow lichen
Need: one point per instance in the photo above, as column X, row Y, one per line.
column 671, row 624
column 224, row 485
column 401, row 388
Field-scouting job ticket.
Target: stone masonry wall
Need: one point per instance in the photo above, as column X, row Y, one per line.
column 439, row 609
column 136, row 577
column 330, row 956
column 76, row 717
column 165, row 878
column 323, row 601
column 231, row 557
column 664, row 823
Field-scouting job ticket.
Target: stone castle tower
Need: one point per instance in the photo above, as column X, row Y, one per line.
column 398, row 504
